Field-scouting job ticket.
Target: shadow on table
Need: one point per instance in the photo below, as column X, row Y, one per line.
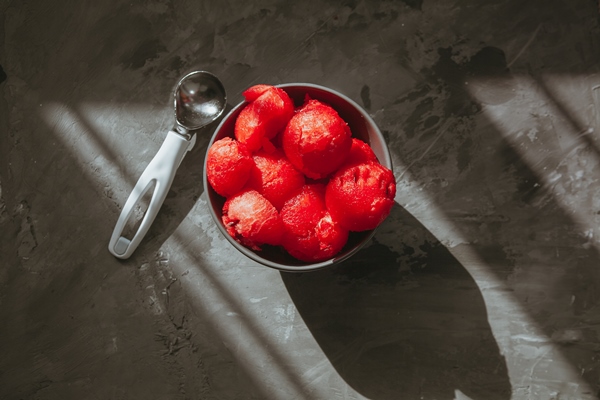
column 412, row 325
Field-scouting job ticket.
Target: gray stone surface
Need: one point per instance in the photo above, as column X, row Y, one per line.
column 483, row 283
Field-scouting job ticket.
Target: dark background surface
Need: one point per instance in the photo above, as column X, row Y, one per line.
column 483, row 282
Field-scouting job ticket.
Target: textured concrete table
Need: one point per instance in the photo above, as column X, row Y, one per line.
column 483, row 283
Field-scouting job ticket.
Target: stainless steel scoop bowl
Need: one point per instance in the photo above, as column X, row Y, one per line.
column 199, row 99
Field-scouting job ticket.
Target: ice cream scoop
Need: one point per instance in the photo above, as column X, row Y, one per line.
column 199, row 99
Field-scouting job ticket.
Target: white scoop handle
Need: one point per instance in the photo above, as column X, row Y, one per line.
column 160, row 171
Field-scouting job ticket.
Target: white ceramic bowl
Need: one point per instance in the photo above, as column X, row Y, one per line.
column 362, row 127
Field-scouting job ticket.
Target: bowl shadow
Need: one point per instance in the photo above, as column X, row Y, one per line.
column 413, row 324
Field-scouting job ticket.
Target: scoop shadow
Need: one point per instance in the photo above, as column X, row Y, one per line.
column 407, row 321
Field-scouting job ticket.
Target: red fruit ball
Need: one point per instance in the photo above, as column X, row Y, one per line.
column 264, row 117
column 310, row 232
column 249, row 128
column 253, row 92
column 228, row 166
column 316, row 140
column 360, row 152
column 274, row 177
column 361, row 196
column 252, row 220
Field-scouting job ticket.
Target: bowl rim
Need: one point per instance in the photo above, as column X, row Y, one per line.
column 387, row 162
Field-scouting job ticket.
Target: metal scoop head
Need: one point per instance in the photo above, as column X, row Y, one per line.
column 199, row 100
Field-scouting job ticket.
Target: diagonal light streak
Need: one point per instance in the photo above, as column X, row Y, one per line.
column 251, row 332
column 255, row 345
column 568, row 143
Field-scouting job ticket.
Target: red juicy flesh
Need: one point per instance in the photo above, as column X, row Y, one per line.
column 249, row 128
column 316, row 140
column 274, row 177
column 361, row 196
column 360, row 152
column 310, row 232
column 252, row 220
column 266, row 116
column 228, row 166
column 277, row 108
column 253, row 92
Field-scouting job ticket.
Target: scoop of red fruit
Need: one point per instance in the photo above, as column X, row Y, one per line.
column 267, row 113
column 265, row 174
column 360, row 152
column 309, row 231
column 274, row 177
column 361, row 196
column 316, row 139
column 252, row 220
column 228, row 166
